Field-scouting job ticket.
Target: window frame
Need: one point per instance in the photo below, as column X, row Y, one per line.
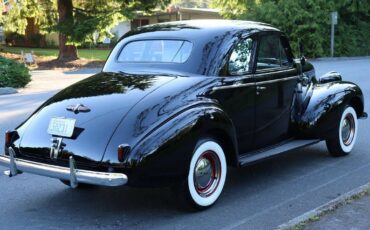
column 153, row 62
column 226, row 69
column 288, row 54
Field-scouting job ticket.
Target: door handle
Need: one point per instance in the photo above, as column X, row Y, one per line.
column 260, row 88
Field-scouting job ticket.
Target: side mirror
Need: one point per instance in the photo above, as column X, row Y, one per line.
column 301, row 53
column 303, row 61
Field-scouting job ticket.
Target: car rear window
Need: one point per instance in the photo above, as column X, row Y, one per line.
column 171, row 51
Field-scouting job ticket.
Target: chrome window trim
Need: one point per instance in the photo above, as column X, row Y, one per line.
column 253, row 83
column 273, row 70
column 277, row 80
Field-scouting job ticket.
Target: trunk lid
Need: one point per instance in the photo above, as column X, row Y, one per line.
column 108, row 96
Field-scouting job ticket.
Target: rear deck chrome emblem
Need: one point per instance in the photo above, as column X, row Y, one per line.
column 56, row 147
column 78, row 108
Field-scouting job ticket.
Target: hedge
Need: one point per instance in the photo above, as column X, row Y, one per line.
column 13, row 74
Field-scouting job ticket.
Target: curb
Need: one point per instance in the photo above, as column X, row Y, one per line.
column 312, row 215
column 7, row 90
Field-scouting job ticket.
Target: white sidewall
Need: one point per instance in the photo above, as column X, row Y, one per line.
column 348, row 148
column 206, row 146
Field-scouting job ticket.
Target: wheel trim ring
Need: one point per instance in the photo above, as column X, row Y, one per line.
column 213, row 183
column 347, row 139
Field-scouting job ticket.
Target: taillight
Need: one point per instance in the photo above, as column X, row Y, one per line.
column 122, row 151
column 8, row 138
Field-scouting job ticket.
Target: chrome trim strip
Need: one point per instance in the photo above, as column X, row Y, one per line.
column 253, row 83
column 233, row 86
column 64, row 173
column 272, row 70
column 277, row 80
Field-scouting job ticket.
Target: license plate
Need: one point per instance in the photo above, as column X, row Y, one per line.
column 61, row 127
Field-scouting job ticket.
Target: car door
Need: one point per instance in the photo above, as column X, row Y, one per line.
column 237, row 92
column 275, row 79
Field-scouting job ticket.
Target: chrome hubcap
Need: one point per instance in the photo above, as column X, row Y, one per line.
column 348, row 129
column 207, row 173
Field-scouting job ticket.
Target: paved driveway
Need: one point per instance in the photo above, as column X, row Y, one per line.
column 262, row 196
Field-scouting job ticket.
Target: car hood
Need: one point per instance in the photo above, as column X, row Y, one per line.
column 108, row 97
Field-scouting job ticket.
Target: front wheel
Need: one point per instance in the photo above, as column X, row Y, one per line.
column 344, row 139
column 206, row 176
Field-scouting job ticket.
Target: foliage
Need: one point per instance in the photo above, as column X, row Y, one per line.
column 87, row 18
column 13, row 74
column 192, row 3
column 98, row 54
column 309, row 21
column 16, row 18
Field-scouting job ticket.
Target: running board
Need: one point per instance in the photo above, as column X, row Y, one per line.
column 253, row 157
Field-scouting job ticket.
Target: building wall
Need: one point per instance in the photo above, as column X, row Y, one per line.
column 2, row 37
column 126, row 26
column 192, row 16
column 121, row 28
column 52, row 39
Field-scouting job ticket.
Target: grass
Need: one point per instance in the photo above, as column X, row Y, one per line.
column 99, row 54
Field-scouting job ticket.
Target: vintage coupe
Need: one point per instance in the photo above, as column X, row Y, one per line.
column 177, row 103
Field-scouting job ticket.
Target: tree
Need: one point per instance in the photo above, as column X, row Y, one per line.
column 15, row 19
column 65, row 21
column 192, row 3
column 79, row 19
column 75, row 21
column 308, row 21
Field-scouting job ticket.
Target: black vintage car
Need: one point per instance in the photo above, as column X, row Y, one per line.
column 178, row 103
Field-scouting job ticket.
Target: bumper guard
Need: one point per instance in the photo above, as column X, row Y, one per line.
column 71, row 174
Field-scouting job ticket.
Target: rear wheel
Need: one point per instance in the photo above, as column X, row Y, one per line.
column 344, row 139
column 206, row 176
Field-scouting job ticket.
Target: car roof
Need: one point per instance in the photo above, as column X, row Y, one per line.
column 211, row 40
column 198, row 28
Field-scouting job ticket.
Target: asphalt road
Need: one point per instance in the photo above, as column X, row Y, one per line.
column 262, row 196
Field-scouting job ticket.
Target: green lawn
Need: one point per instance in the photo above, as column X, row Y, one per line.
column 83, row 53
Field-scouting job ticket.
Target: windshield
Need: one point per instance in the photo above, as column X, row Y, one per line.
column 171, row 51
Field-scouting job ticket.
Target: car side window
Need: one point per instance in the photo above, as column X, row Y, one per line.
column 271, row 53
column 240, row 58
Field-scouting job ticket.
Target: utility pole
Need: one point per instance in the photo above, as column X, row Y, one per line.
column 334, row 21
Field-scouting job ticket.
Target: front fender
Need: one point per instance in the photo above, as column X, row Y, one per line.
column 163, row 156
column 323, row 107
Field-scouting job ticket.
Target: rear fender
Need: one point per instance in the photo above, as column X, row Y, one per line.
column 164, row 155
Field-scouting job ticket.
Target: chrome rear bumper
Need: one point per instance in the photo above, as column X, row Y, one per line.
column 71, row 174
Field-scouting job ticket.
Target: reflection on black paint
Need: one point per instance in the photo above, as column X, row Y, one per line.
column 104, row 84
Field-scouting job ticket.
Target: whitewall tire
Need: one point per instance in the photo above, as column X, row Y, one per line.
column 345, row 135
column 206, row 175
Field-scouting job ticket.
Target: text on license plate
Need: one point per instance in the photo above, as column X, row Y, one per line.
column 61, row 127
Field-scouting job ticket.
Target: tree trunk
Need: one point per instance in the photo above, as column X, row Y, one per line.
column 65, row 11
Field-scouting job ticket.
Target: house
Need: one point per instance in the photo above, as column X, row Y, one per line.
column 173, row 13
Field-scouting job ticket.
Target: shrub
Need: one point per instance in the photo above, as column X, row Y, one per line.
column 13, row 74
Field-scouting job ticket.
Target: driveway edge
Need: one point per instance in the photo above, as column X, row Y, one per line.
column 313, row 215
column 7, row 90
column 339, row 58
